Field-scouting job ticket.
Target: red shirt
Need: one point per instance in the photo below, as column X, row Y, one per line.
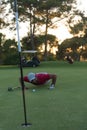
column 42, row 78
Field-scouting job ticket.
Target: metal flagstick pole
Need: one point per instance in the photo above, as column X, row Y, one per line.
column 21, row 71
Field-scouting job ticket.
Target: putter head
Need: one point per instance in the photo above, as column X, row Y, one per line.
column 10, row 89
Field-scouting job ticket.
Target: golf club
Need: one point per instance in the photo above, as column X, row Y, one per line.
column 12, row 89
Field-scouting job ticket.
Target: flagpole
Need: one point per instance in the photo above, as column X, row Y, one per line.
column 21, row 70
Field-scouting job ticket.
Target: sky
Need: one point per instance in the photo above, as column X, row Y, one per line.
column 61, row 32
column 82, row 5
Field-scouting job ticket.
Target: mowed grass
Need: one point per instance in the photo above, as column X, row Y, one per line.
column 64, row 108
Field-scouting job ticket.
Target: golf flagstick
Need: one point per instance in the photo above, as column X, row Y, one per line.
column 21, row 70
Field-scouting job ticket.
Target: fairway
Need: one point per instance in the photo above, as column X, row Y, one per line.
column 64, row 108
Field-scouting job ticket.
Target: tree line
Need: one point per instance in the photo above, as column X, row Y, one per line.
column 38, row 13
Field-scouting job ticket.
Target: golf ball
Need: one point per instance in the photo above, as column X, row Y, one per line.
column 33, row 90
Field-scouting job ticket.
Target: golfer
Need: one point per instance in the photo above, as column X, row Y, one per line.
column 41, row 79
column 69, row 59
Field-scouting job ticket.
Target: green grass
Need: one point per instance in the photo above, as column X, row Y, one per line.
column 64, row 108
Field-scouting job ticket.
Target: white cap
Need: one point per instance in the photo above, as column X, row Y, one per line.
column 31, row 76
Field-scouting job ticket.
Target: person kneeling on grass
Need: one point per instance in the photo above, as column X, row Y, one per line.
column 41, row 79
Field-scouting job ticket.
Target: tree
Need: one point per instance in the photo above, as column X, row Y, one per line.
column 42, row 12
column 39, row 12
column 47, row 12
column 78, row 26
column 39, row 40
column 10, row 52
column 72, row 47
column 2, row 9
column 5, row 20
column 2, row 39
